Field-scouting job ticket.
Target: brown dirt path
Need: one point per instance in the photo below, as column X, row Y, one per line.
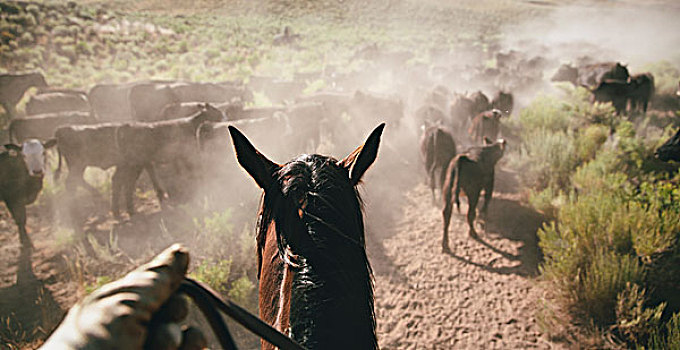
column 481, row 296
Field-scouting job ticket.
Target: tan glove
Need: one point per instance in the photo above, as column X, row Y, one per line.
column 141, row 310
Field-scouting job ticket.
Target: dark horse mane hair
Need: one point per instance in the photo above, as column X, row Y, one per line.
column 316, row 214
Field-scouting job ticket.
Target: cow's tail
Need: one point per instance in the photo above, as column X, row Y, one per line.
column 57, row 173
column 447, row 186
column 11, row 132
column 455, row 179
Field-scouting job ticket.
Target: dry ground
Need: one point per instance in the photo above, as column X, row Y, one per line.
column 481, row 296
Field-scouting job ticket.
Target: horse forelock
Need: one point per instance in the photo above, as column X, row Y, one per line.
column 317, row 216
column 314, row 192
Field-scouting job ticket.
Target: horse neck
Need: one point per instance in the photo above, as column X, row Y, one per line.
column 331, row 307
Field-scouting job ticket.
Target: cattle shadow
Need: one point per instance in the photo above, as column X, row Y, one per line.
column 511, row 220
column 28, row 309
column 508, row 218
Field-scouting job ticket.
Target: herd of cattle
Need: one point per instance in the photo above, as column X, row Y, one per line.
column 611, row 82
column 176, row 128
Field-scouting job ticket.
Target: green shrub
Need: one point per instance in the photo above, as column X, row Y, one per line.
column 591, row 229
column 668, row 338
column 60, row 31
column 26, row 39
column 83, row 48
column 548, row 159
column 613, row 243
column 214, row 273
column 544, row 113
column 589, row 142
column 666, row 76
column 634, row 321
column 604, row 279
column 241, row 292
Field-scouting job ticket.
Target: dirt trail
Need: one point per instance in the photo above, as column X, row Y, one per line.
column 481, row 296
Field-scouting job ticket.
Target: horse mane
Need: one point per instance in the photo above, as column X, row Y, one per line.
column 318, row 220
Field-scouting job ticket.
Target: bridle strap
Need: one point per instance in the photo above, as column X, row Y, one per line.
column 208, row 301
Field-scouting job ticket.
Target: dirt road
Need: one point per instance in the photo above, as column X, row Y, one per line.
column 481, row 296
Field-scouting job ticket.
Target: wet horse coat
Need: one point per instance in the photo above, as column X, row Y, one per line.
column 315, row 278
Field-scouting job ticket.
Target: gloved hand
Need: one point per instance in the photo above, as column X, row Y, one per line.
column 141, row 310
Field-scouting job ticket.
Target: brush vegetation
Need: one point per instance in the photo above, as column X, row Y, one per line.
column 613, row 246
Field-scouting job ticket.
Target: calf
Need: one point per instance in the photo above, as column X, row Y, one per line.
column 471, row 172
column 641, row 91
column 592, row 75
column 437, row 148
column 111, row 102
column 461, row 110
column 55, row 102
column 504, row 102
column 486, row 125
column 430, row 114
column 13, row 87
column 43, row 126
column 142, row 144
column 92, row 145
column 480, row 102
column 21, row 175
column 147, row 100
column 614, row 91
column 186, row 109
column 670, row 150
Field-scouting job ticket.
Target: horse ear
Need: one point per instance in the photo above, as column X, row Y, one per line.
column 487, row 141
column 257, row 165
column 361, row 159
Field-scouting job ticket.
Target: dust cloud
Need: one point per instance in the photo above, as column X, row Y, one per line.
column 636, row 34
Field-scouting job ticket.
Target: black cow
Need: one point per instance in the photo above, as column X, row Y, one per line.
column 232, row 110
column 614, row 91
column 43, row 126
column 641, row 91
column 461, row 110
column 21, row 178
column 147, row 100
column 142, row 144
column 670, row 150
column 58, row 101
column 110, row 102
column 593, row 74
column 486, row 125
column 504, row 102
column 480, row 102
column 437, row 148
column 13, row 87
column 82, row 146
column 471, row 172
column 430, row 114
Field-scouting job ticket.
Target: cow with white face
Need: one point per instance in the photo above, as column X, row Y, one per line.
column 21, row 174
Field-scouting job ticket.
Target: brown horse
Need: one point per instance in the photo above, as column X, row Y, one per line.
column 316, row 283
